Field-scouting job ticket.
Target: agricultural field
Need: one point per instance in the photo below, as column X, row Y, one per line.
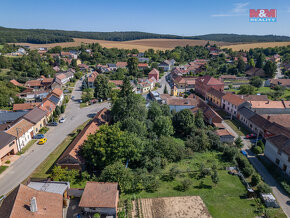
column 142, row 44
column 248, row 46
column 171, row 207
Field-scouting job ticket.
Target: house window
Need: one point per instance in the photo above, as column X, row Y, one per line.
column 277, row 161
column 284, row 168
column 12, row 143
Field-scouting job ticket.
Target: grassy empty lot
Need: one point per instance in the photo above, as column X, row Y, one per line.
column 226, row 199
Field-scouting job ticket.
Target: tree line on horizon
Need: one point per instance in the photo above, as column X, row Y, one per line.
column 43, row 36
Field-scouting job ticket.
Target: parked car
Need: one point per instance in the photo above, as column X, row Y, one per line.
column 244, row 153
column 38, row 136
column 42, row 141
column 62, row 120
column 80, row 101
column 73, row 97
column 52, row 124
column 251, row 136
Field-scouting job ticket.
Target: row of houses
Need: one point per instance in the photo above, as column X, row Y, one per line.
column 269, row 119
column 17, row 132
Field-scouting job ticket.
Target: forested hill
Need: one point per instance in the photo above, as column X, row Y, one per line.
column 244, row 38
column 39, row 36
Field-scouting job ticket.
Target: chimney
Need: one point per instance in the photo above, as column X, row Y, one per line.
column 33, row 205
column 268, row 117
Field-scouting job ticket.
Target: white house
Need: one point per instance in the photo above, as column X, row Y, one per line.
column 277, row 149
column 23, row 131
column 231, row 103
column 167, row 64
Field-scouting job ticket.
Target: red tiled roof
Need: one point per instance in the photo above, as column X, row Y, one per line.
column 222, row 132
column 33, row 83
column 233, row 99
column 209, row 80
column 20, row 128
column 14, row 82
column 47, row 106
column 117, row 82
column 16, row 204
column 142, row 65
column 57, row 91
column 121, row 64
column 99, row 194
column 72, row 151
column 153, row 72
column 61, row 76
column 24, row 106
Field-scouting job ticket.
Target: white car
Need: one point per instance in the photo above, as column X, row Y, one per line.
column 62, row 120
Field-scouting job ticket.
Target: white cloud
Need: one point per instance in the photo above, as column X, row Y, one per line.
column 240, row 9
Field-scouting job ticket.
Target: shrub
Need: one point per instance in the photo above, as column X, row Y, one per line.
column 255, row 179
column 263, row 188
column 150, row 183
column 184, row 185
column 174, row 171
column 248, row 170
column 257, row 150
column 230, row 153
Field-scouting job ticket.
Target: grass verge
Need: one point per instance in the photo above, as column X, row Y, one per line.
column 29, row 144
column 238, row 127
column 42, row 171
column 3, row 168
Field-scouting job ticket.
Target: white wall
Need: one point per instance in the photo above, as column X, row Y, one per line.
column 24, row 139
column 271, row 152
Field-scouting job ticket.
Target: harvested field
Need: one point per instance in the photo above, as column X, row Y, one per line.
column 247, row 46
column 142, row 44
column 170, row 207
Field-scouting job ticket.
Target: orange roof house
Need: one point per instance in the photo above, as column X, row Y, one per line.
column 70, row 158
column 19, row 204
column 47, row 106
column 203, row 84
column 100, row 196
column 24, row 106
column 154, row 73
column 14, row 82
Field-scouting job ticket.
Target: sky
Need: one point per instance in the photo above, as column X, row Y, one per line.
column 179, row 17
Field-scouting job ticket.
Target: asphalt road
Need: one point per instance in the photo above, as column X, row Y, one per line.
column 279, row 193
column 164, row 83
column 28, row 162
column 278, row 74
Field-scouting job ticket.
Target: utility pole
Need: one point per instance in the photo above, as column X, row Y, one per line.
column 17, row 129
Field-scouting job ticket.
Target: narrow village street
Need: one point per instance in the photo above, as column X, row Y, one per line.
column 279, row 193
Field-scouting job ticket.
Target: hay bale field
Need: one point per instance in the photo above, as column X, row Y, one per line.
column 170, row 207
column 142, row 44
column 247, row 46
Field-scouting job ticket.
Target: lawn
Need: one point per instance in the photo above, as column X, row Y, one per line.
column 238, row 127
column 3, row 168
column 29, row 144
column 226, row 199
column 1, row 46
column 43, row 170
column 43, row 130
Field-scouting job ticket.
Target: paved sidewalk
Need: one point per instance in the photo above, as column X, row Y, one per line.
column 279, row 193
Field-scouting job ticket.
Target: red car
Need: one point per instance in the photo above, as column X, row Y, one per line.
column 251, row 136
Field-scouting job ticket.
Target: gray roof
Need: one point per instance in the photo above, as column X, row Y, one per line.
column 5, row 139
column 9, row 116
column 246, row 112
column 111, row 65
column 35, row 115
column 54, row 99
column 52, row 186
